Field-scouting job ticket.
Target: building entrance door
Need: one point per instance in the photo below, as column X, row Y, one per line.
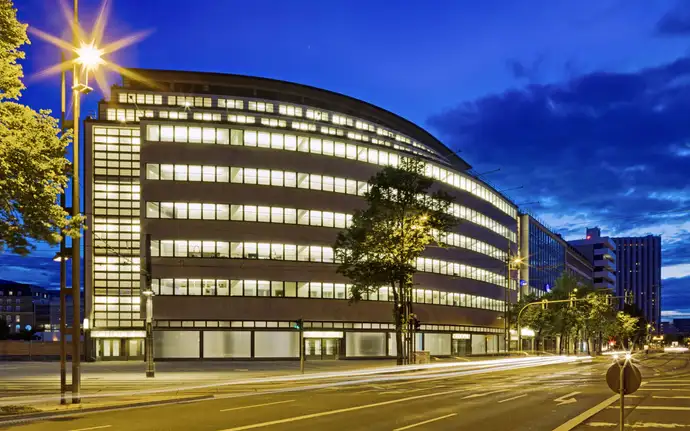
column 461, row 348
column 321, row 348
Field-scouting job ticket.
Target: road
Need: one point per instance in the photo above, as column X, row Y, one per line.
column 536, row 398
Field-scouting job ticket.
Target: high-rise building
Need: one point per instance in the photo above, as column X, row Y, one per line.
column 547, row 256
column 638, row 273
column 242, row 184
column 601, row 251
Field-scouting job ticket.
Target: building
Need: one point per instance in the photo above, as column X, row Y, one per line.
column 638, row 273
column 601, row 251
column 578, row 266
column 242, row 184
column 680, row 325
column 548, row 256
column 544, row 252
column 18, row 303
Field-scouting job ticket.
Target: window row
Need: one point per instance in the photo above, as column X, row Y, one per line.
column 231, row 103
column 173, row 115
column 189, row 101
column 281, row 141
column 241, row 119
column 268, row 177
column 253, row 105
column 456, row 269
column 313, row 290
column 206, row 116
column 140, row 98
column 252, row 213
column 125, row 115
column 241, row 250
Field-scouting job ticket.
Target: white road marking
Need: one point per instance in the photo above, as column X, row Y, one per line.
column 577, row 420
column 654, row 408
column 344, row 410
column 664, row 389
column 658, row 425
column 424, row 422
column 677, row 397
column 92, row 428
column 567, row 399
column 513, row 398
column 484, row 394
column 602, row 424
column 406, row 391
column 257, row 405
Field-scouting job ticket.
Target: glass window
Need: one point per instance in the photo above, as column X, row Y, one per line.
column 181, row 248
column 194, row 211
column 195, row 173
column 277, row 289
column 152, row 209
column 327, row 290
column 209, row 287
column 195, row 134
column 222, row 135
column 290, row 179
column 303, row 289
column 167, row 133
column 315, row 290
column 195, row 287
column 180, row 210
column 209, row 248
column 167, row 172
column 209, row 174
column 290, row 215
column 222, row 211
column 194, row 248
column 264, row 214
column 209, row 211
column 236, row 288
column 152, row 171
column 249, row 287
column 166, row 248
column 277, row 251
column 263, row 288
column 155, row 249
column 340, row 289
column 180, row 172
column 208, row 135
column 180, row 133
column 222, row 174
column 167, row 210
column 222, row 287
column 290, row 289
column 181, row 286
column 167, row 286
column 290, row 252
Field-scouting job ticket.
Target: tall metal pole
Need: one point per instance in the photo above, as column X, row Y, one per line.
column 63, row 265
column 76, row 242
column 622, row 398
column 150, row 367
column 301, row 349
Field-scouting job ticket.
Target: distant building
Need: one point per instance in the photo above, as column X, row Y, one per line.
column 638, row 273
column 601, row 251
column 548, row 256
column 18, row 304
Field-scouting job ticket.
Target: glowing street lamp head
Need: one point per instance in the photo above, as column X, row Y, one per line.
column 89, row 56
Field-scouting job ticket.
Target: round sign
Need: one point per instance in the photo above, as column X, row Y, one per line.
column 28, row 327
column 632, row 378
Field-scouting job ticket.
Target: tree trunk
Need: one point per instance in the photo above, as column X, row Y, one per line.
column 397, row 315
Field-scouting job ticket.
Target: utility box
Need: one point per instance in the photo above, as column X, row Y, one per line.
column 422, row 357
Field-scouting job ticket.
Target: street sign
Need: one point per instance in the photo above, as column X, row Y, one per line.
column 631, row 378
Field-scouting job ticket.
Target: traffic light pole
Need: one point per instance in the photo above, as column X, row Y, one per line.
column 301, row 350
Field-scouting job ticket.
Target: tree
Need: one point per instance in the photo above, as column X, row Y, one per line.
column 32, row 154
column 626, row 327
column 381, row 246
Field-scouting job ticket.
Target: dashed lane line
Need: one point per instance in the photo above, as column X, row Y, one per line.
column 257, row 405
column 343, row 410
column 425, row 422
column 513, row 398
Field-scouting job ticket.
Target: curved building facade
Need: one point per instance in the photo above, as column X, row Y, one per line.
column 241, row 184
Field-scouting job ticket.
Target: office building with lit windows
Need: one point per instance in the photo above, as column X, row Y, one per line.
column 601, row 251
column 638, row 273
column 242, row 184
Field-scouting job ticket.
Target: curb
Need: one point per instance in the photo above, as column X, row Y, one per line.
column 30, row 417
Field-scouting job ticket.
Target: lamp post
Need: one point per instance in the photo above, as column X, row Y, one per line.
column 86, row 58
column 511, row 264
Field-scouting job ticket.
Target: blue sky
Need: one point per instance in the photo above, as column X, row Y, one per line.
column 585, row 104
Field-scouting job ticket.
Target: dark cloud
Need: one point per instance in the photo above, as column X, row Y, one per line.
column 522, row 71
column 33, row 269
column 675, row 293
column 603, row 148
column 676, row 22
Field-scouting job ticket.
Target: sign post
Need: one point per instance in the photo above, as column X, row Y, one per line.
column 623, row 378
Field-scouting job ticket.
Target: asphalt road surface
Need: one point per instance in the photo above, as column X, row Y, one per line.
column 552, row 397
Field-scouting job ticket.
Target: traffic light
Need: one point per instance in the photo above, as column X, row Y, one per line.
column 544, row 303
column 299, row 324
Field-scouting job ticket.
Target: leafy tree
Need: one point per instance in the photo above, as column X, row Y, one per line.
column 32, row 154
column 626, row 326
column 380, row 248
